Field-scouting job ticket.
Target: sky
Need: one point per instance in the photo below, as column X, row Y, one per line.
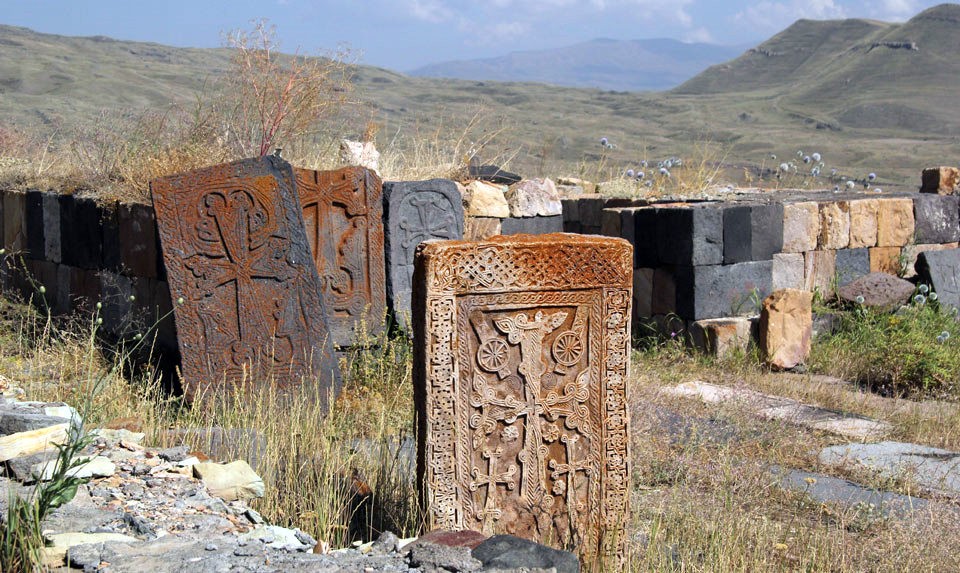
column 405, row 34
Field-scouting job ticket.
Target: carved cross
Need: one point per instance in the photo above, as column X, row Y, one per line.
column 569, row 472
column 430, row 224
column 245, row 256
column 490, row 480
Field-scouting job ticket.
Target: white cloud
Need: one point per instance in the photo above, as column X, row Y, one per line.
column 893, row 9
column 770, row 16
column 700, row 34
column 434, row 11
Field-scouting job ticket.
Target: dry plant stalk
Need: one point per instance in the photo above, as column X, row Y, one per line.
column 273, row 98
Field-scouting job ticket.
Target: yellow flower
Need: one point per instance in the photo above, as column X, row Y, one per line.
column 780, row 547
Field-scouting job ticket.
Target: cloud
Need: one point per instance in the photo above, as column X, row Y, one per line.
column 893, row 9
column 767, row 16
column 700, row 34
column 433, row 11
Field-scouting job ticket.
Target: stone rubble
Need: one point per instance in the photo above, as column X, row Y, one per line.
column 160, row 510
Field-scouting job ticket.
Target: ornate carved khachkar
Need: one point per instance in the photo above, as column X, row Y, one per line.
column 416, row 211
column 520, row 378
column 246, row 292
column 343, row 214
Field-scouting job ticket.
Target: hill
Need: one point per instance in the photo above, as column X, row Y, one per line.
column 630, row 65
column 854, row 73
column 846, row 89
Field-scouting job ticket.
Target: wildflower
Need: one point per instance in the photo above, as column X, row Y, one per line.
column 878, row 190
column 933, row 296
column 99, row 320
column 872, row 176
column 673, row 335
column 630, row 173
column 945, row 334
column 604, row 141
column 664, row 172
column 836, row 188
column 131, row 298
column 99, row 305
column 810, row 480
column 941, row 339
column 641, row 174
column 850, row 184
column 860, row 299
column 3, row 251
column 180, row 300
column 806, row 159
column 643, row 164
column 773, row 156
column 919, row 299
column 816, row 157
column 784, row 167
column 649, row 183
column 799, row 153
column 924, row 289
column 833, row 172
column 138, row 336
column 780, row 546
column 42, row 289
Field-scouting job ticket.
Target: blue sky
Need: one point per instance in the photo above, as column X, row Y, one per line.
column 404, row 34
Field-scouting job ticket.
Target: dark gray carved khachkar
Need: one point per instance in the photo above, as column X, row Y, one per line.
column 343, row 214
column 245, row 288
column 415, row 211
column 521, row 365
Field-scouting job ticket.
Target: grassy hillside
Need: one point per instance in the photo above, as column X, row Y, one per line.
column 831, row 87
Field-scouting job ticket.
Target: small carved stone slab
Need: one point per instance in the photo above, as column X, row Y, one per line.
column 237, row 255
column 521, row 363
column 343, row 214
column 415, row 211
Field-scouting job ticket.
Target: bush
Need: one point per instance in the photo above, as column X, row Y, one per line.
column 910, row 352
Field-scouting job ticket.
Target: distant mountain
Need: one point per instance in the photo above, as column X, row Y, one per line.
column 854, row 73
column 625, row 65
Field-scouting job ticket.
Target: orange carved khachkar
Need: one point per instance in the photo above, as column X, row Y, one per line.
column 246, row 293
column 522, row 349
column 343, row 214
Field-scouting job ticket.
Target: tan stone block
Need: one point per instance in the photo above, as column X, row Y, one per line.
column 885, row 260
column 721, row 337
column 480, row 228
column 911, row 252
column 834, row 225
column 801, row 227
column 819, row 271
column 786, row 327
column 521, row 369
column 486, row 200
column 863, row 223
column 895, row 222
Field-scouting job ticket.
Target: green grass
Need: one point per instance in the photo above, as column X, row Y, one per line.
column 911, row 352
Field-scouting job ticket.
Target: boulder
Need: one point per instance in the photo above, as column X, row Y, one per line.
column 362, row 153
column 32, row 442
column 486, row 200
column 941, row 270
column 880, row 290
column 55, row 552
column 230, row 482
column 786, row 327
column 511, row 552
column 534, row 197
column 721, row 337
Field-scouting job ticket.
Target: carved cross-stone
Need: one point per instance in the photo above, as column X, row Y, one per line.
column 343, row 214
column 522, row 347
column 415, row 211
column 239, row 267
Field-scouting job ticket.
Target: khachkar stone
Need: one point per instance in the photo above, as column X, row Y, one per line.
column 343, row 214
column 247, row 293
column 415, row 211
column 520, row 374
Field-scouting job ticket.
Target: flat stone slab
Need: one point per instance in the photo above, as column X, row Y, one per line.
column 828, row 489
column 522, row 350
column 785, row 409
column 246, row 289
column 935, row 469
column 343, row 214
column 878, row 290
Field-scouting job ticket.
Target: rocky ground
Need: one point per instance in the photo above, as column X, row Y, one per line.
column 147, row 509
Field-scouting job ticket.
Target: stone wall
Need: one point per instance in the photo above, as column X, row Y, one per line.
column 713, row 259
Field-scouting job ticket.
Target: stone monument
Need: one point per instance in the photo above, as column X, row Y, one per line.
column 521, row 363
column 343, row 214
column 246, row 292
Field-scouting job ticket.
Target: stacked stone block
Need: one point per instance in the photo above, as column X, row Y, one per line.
column 68, row 253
